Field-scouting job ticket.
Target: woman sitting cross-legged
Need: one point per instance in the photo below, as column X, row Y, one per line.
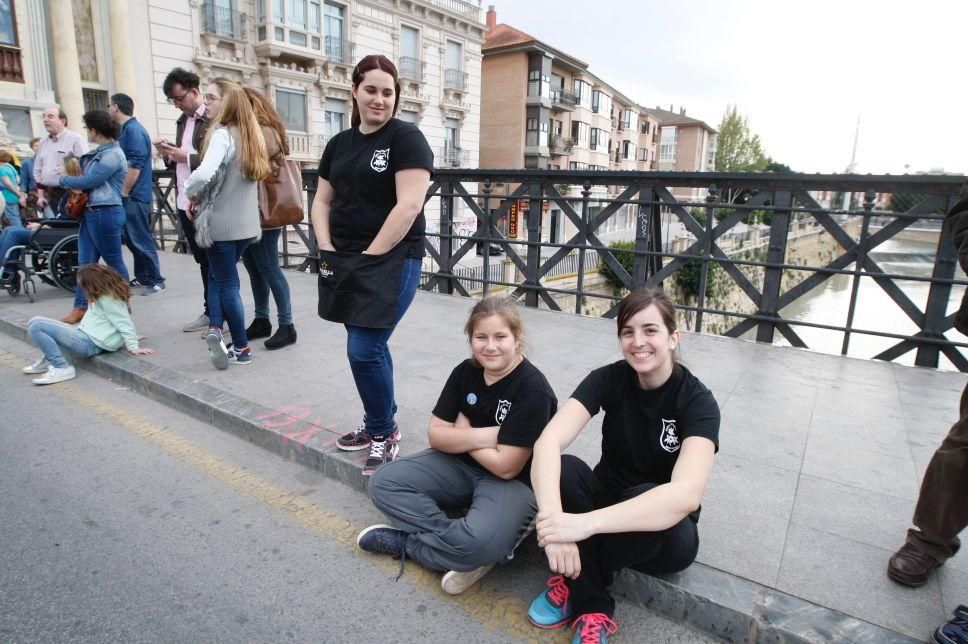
column 639, row 507
column 107, row 326
column 490, row 412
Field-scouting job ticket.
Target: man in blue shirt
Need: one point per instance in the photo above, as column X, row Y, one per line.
column 136, row 196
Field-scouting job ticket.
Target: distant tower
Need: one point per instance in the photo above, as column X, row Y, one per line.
column 853, row 164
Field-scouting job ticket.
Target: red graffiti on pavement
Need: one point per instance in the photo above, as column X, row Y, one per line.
column 291, row 415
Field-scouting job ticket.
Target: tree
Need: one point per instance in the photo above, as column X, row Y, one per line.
column 737, row 148
column 622, row 250
column 776, row 166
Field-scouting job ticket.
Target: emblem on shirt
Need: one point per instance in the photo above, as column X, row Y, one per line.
column 503, row 407
column 380, row 160
column 324, row 270
column 472, row 398
column 669, row 440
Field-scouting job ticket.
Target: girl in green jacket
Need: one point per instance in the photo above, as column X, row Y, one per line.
column 107, row 326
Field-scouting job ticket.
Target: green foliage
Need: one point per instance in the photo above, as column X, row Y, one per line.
column 776, row 166
column 737, row 148
column 688, row 275
column 622, row 250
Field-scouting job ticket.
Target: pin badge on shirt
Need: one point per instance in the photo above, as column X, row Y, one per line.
column 471, row 399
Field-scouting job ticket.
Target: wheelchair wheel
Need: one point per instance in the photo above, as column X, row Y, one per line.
column 63, row 263
column 29, row 289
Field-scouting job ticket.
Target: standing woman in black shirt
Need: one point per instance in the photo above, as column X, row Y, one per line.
column 369, row 224
column 640, row 505
column 489, row 414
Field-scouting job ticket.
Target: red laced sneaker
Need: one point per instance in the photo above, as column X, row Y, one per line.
column 593, row 628
column 550, row 609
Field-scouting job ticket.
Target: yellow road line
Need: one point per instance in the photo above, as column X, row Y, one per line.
column 485, row 603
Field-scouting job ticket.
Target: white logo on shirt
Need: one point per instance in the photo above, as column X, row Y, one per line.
column 380, row 160
column 669, row 440
column 503, row 407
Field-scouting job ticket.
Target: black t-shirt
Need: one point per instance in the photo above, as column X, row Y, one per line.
column 521, row 403
column 362, row 168
column 643, row 429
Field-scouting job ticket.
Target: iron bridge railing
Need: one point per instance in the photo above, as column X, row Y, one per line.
column 724, row 245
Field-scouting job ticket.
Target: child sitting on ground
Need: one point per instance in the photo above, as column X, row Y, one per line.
column 107, row 326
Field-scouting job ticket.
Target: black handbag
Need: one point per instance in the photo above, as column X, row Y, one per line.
column 358, row 289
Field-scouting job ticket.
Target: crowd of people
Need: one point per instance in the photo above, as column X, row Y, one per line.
column 495, row 470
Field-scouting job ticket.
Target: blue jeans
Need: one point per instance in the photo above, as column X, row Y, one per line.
column 137, row 237
column 12, row 210
column 261, row 260
column 51, row 335
column 370, row 359
column 9, row 238
column 224, row 301
column 100, row 238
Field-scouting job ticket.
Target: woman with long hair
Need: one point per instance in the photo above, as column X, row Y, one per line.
column 488, row 416
column 639, row 507
column 261, row 258
column 106, row 327
column 224, row 208
column 368, row 220
column 102, row 175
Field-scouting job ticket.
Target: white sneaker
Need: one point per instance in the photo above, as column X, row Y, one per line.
column 454, row 583
column 41, row 366
column 217, row 349
column 56, row 374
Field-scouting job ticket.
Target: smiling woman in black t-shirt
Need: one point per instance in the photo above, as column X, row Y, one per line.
column 369, row 223
column 639, row 507
column 491, row 411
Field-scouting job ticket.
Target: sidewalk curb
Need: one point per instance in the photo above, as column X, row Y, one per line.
column 712, row 601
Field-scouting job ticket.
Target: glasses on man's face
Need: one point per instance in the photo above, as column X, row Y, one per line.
column 211, row 98
column 175, row 100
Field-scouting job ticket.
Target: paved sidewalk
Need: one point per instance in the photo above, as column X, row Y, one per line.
column 813, row 488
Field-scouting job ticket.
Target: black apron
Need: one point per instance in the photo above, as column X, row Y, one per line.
column 359, row 289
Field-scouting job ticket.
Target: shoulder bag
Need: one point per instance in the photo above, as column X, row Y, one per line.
column 281, row 197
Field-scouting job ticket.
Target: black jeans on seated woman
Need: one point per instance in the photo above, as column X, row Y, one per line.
column 602, row 555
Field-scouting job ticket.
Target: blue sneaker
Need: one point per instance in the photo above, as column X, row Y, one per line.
column 383, row 539
column 551, row 609
column 242, row 357
column 593, row 628
column 956, row 630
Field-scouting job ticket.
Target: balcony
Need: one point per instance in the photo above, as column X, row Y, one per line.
column 453, row 157
column 304, row 146
column 455, row 79
column 411, row 68
column 11, row 69
column 562, row 99
column 223, row 22
column 339, row 50
column 561, row 145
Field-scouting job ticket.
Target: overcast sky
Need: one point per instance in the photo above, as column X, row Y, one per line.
column 802, row 71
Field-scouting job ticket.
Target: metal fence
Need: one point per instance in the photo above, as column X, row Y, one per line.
column 733, row 234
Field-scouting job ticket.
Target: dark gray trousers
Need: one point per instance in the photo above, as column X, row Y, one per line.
column 413, row 491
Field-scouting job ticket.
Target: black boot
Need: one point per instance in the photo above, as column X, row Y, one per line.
column 260, row 328
column 285, row 335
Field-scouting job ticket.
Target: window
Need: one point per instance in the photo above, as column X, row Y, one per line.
column 8, row 25
column 335, row 117
column 628, row 120
column 645, row 126
column 628, row 150
column 644, row 154
column 408, row 116
column 711, row 153
column 410, row 64
column 667, row 146
column 292, row 109
column 537, row 133
column 556, row 127
column 452, row 134
column 454, row 66
column 583, row 92
column 334, row 39
column 581, row 133
column 538, row 83
column 599, row 139
column 601, row 102
column 577, row 165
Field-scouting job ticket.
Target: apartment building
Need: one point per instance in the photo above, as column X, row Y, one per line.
column 299, row 52
column 543, row 108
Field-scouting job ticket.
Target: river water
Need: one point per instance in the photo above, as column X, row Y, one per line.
column 875, row 310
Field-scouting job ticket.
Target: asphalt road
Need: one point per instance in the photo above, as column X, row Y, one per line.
column 122, row 520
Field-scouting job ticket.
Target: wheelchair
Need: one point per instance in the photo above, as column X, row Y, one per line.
column 50, row 254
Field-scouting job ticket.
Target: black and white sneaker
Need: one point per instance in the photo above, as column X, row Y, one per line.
column 358, row 438
column 380, row 452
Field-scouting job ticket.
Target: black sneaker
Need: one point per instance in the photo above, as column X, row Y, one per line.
column 382, row 539
column 136, row 283
column 358, row 438
column 380, row 452
column 953, row 632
